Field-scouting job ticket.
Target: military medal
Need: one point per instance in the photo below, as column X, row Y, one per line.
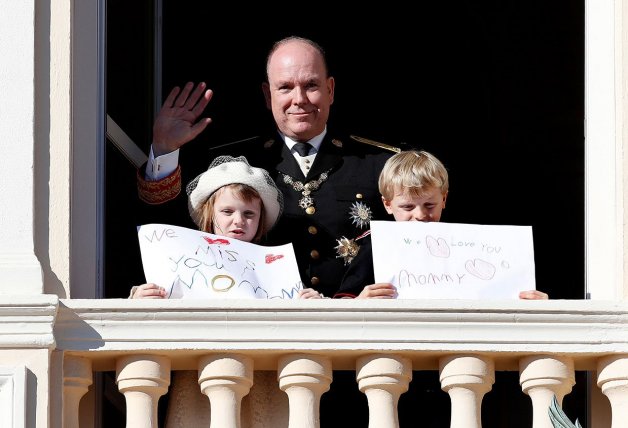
column 360, row 214
column 307, row 201
column 347, row 249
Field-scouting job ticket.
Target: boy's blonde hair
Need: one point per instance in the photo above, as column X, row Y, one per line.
column 414, row 172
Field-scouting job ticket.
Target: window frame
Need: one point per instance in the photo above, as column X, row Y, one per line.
column 603, row 149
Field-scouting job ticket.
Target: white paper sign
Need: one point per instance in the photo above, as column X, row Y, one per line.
column 193, row 264
column 453, row 261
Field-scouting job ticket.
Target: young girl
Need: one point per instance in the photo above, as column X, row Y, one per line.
column 231, row 199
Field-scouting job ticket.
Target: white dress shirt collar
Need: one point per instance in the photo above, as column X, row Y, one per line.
column 305, row 162
column 314, row 142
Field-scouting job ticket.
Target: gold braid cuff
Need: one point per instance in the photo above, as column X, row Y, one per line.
column 160, row 191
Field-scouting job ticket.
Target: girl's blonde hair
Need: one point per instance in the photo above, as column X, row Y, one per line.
column 241, row 191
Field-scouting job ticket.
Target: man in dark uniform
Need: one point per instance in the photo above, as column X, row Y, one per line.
column 329, row 182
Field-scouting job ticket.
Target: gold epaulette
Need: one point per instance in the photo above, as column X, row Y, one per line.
column 234, row 142
column 376, row 144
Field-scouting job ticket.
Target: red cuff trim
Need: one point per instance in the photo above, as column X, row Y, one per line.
column 344, row 295
column 160, row 191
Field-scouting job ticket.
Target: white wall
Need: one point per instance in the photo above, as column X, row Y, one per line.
column 20, row 272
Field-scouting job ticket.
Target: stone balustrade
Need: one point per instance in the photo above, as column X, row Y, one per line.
column 305, row 341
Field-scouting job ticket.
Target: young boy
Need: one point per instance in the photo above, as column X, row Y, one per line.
column 414, row 187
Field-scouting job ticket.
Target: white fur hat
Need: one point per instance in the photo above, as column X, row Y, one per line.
column 226, row 170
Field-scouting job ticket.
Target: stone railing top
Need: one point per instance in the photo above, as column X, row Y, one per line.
column 26, row 322
column 419, row 329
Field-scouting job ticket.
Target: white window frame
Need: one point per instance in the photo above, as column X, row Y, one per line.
column 88, row 149
column 603, row 149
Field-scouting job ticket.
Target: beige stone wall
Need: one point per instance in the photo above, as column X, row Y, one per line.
column 54, row 135
column 35, row 362
column 622, row 122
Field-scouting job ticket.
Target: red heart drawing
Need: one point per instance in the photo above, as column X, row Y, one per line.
column 271, row 258
column 216, row 241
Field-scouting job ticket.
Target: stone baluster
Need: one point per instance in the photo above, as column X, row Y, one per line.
column 77, row 377
column 541, row 377
column 612, row 379
column 142, row 379
column 225, row 379
column 304, row 378
column 383, row 378
column 466, row 378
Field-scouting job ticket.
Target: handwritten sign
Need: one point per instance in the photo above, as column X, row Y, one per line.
column 453, row 261
column 193, row 264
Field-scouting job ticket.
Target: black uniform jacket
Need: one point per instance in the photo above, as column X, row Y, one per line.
column 360, row 272
column 353, row 170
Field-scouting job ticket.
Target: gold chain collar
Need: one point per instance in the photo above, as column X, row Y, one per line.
column 307, row 201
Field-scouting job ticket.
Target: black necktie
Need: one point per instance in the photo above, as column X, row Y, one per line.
column 303, row 149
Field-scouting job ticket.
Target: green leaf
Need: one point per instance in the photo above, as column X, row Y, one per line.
column 558, row 418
